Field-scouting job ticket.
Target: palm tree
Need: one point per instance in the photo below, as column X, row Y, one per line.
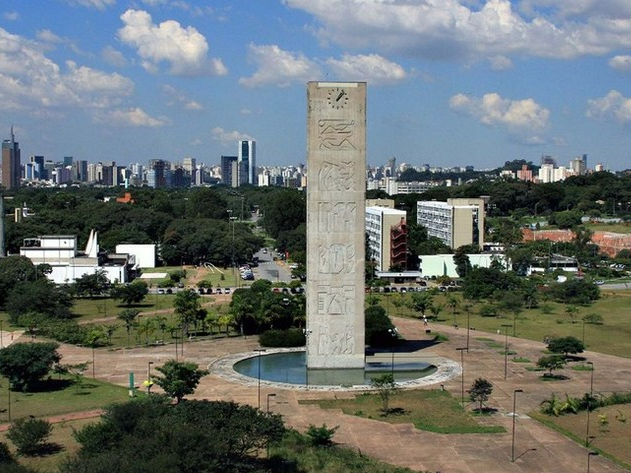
column 129, row 317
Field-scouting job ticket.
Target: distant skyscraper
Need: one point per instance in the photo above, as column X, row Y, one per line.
column 11, row 169
column 229, row 170
column 247, row 163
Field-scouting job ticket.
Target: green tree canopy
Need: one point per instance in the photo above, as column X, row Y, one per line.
column 566, row 345
column 179, row 378
column 129, row 294
column 25, row 364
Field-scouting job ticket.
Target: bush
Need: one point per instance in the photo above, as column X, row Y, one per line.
column 30, row 435
column 321, row 436
column 283, row 338
column 65, row 331
column 378, row 326
column 5, row 455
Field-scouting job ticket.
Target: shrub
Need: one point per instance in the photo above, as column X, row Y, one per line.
column 321, row 436
column 283, row 338
column 378, row 326
column 5, row 455
column 30, row 435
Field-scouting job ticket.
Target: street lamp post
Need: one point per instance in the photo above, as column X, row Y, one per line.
column 462, row 350
column 307, row 333
column 1, row 335
column 589, row 402
column 468, row 328
column 259, row 350
column 589, row 456
column 506, row 326
column 394, row 333
column 515, row 391
column 149, row 383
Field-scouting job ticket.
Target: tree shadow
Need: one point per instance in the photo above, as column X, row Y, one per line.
column 554, row 377
column 46, row 449
column 49, row 385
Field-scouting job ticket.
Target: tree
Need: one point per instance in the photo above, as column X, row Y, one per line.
column 571, row 311
column 129, row 294
column 129, row 317
column 30, row 435
column 41, row 296
column 461, row 260
column 93, row 284
column 151, row 435
column 422, row 301
column 378, row 326
column 480, row 392
column 179, row 378
column 24, row 364
column 187, row 305
column 551, row 363
column 566, row 345
column 385, row 387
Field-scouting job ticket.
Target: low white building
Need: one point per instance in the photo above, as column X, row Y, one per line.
column 144, row 255
column 68, row 264
column 434, row 266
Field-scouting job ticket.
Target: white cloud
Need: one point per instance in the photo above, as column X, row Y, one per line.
column 177, row 97
column 113, row 57
column 135, row 117
column 371, row 68
column 184, row 49
column 525, row 118
column 11, row 16
column 279, row 67
column 470, row 31
column 228, row 137
column 98, row 4
column 500, row 63
column 48, row 37
column 621, row 63
column 613, row 105
column 30, row 81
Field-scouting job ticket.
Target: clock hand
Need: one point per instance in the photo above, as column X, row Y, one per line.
column 342, row 94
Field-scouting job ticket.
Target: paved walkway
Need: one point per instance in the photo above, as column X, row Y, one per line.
column 538, row 449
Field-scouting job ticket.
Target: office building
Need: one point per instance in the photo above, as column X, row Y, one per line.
column 456, row 222
column 11, row 169
column 229, row 170
column 386, row 234
column 247, row 163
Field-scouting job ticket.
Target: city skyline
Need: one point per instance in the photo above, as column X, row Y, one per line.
column 450, row 83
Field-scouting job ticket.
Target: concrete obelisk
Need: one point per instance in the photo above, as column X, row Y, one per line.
column 336, row 184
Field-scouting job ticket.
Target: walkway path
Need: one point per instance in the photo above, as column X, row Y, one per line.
column 402, row 444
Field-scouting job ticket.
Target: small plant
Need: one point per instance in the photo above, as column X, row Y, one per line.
column 521, row 359
column 385, row 387
column 321, row 436
column 30, row 435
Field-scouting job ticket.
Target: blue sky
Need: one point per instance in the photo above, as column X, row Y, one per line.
column 450, row 82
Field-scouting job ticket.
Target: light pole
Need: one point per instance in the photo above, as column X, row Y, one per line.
column 462, row 350
column 1, row 335
column 259, row 350
column 149, row 383
column 468, row 327
column 506, row 326
column 589, row 402
column 589, row 456
column 307, row 333
column 515, row 391
column 394, row 333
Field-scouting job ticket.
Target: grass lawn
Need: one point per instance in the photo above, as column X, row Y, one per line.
column 611, row 439
column 60, row 397
column 609, row 227
column 430, row 410
column 612, row 337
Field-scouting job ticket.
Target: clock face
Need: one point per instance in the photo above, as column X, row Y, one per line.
column 337, row 98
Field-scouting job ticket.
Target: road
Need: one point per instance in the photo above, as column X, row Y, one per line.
column 271, row 268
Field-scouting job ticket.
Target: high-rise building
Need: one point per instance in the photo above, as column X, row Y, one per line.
column 247, row 163
column 229, row 170
column 456, row 222
column 386, row 236
column 11, row 170
column 159, row 173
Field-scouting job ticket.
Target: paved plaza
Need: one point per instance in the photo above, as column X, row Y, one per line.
column 537, row 448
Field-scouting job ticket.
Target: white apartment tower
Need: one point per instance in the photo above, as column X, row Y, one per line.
column 456, row 222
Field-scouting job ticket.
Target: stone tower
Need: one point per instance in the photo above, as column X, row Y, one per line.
column 336, row 150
